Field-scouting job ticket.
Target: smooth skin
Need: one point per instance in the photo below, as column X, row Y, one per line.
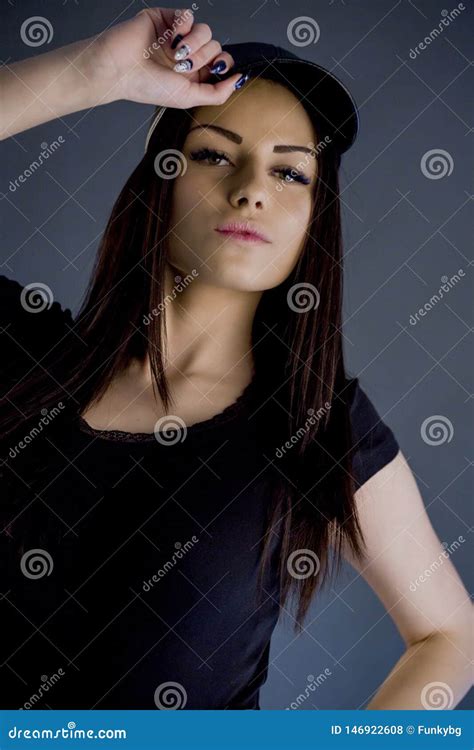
column 209, row 359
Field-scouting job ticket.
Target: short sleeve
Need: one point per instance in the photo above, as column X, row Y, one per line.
column 374, row 442
column 31, row 324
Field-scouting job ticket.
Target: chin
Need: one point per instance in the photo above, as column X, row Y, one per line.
column 230, row 277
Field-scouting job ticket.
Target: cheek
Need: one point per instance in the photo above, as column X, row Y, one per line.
column 292, row 218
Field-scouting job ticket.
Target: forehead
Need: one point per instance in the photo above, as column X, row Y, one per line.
column 263, row 111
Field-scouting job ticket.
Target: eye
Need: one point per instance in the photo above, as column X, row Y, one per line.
column 290, row 174
column 213, row 157
column 209, row 154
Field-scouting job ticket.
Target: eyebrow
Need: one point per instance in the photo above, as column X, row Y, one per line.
column 280, row 149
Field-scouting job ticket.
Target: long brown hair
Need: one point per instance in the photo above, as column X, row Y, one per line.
column 298, row 359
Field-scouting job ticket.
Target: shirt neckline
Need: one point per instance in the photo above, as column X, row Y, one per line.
column 225, row 415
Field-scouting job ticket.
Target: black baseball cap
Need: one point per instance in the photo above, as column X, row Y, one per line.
column 323, row 95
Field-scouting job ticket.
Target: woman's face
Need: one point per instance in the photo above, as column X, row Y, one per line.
column 266, row 135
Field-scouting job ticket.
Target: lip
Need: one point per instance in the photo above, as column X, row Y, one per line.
column 242, row 230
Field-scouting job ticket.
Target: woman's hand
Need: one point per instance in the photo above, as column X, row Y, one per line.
column 135, row 60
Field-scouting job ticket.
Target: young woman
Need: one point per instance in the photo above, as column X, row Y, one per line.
column 188, row 457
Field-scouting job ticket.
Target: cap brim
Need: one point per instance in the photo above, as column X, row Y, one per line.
column 320, row 92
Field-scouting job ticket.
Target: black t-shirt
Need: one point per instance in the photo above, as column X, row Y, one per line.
column 149, row 599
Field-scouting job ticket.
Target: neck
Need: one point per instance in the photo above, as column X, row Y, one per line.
column 208, row 330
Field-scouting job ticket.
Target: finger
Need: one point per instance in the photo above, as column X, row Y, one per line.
column 203, row 94
column 193, row 42
column 181, row 25
column 177, row 23
column 202, row 57
column 226, row 58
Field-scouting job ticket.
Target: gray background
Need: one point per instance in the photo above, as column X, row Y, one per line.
column 403, row 232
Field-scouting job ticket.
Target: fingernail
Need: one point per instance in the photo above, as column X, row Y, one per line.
column 218, row 66
column 241, row 81
column 183, row 66
column 183, row 52
column 176, row 41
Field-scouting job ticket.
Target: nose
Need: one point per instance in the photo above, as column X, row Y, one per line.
column 248, row 188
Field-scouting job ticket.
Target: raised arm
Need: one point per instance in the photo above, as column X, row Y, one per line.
column 132, row 60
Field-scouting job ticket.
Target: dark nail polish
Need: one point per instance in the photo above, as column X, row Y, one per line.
column 241, row 81
column 176, row 41
column 218, row 67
